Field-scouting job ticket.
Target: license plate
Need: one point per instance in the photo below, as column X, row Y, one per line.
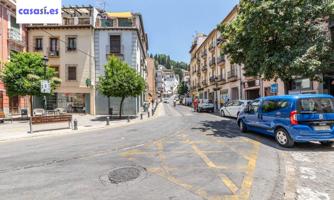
column 322, row 128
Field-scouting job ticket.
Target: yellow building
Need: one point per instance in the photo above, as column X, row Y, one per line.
column 70, row 51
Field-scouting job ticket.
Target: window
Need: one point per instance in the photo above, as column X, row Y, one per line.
column 272, row 106
column 53, row 51
column 71, row 73
column 254, row 106
column 301, row 84
column 115, row 44
column 316, row 105
column 124, row 22
column 38, row 44
column 71, row 43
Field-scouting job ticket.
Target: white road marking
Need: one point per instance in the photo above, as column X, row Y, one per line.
column 307, row 173
column 300, row 157
column 308, row 194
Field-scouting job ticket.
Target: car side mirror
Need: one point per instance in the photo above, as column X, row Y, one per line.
column 248, row 109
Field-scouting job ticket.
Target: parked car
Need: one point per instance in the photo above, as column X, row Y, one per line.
column 39, row 112
column 291, row 118
column 233, row 108
column 206, row 106
column 165, row 100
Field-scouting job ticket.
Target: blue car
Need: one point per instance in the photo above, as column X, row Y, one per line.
column 291, row 118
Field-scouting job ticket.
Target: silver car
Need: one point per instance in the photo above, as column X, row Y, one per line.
column 233, row 108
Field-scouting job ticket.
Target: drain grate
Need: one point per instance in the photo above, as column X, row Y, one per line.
column 124, row 174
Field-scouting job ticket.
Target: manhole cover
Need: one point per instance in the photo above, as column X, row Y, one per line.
column 124, row 174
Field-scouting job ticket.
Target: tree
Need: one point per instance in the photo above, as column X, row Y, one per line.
column 182, row 88
column 120, row 80
column 23, row 74
column 281, row 39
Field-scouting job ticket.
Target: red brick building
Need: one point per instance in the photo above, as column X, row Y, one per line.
column 12, row 39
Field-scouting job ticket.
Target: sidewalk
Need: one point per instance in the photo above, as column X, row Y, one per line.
column 20, row 129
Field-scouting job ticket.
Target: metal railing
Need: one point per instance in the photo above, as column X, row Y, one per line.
column 232, row 74
column 212, row 62
column 221, row 59
column 14, row 34
column 118, row 51
column 54, row 52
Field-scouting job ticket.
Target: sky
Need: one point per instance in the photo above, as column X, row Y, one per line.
column 170, row 24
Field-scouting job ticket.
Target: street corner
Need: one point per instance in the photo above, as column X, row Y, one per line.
column 209, row 169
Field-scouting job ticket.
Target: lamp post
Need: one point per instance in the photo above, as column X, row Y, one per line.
column 45, row 60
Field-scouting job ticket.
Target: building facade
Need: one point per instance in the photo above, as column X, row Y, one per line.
column 167, row 81
column 214, row 77
column 150, row 81
column 121, row 34
column 70, row 50
column 12, row 39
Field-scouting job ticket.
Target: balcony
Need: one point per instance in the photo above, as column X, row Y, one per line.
column 204, row 55
column 213, row 79
column 221, row 60
column 204, row 68
column 211, row 47
column 212, row 62
column 54, row 52
column 220, row 40
column 116, row 51
column 221, row 78
column 198, row 72
column 232, row 75
column 14, row 35
column 204, row 83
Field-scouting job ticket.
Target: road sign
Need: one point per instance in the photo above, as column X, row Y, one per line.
column 45, row 87
column 274, row 88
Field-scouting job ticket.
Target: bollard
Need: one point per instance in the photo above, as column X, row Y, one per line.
column 30, row 125
column 75, row 124
column 128, row 118
column 148, row 114
column 152, row 112
column 108, row 121
column 141, row 116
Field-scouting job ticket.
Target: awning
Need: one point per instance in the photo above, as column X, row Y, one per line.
column 120, row 14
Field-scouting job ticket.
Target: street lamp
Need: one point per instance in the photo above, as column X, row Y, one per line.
column 45, row 60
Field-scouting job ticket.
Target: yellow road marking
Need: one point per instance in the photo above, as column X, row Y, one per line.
column 246, row 185
column 230, row 185
column 202, row 155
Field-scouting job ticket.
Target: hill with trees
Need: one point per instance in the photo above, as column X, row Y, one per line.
column 165, row 60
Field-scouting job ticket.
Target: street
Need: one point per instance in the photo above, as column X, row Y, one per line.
column 181, row 155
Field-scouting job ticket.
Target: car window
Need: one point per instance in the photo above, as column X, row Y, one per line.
column 274, row 105
column 254, row 106
column 316, row 105
column 237, row 103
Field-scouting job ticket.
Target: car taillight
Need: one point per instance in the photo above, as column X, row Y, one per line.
column 293, row 118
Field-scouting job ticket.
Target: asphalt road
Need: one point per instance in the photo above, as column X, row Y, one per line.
column 182, row 155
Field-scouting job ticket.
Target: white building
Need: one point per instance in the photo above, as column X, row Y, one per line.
column 121, row 34
column 166, row 80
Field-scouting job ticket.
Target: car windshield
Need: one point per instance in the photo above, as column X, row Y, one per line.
column 316, row 105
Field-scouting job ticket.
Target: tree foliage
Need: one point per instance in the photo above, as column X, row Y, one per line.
column 22, row 75
column 183, row 88
column 281, row 38
column 120, row 80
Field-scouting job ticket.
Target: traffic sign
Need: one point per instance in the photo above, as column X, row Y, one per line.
column 274, row 88
column 45, row 87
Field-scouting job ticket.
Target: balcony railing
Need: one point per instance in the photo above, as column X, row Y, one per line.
column 204, row 68
column 221, row 59
column 76, row 21
column 211, row 47
column 213, row 79
column 15, row 35
column 118, row 51
column 220, row 40
column 212, row 62
column 54, row 52
column 221, row 78
column 232, row 74
column 204, row 54
column 204, row 82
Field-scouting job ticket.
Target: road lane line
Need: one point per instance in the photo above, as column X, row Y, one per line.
column 246, row 185
column 227, row 181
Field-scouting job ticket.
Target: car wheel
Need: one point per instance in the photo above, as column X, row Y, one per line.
column 283, row 138
column 327, row 143
column 242, row 126
column 222, row 113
